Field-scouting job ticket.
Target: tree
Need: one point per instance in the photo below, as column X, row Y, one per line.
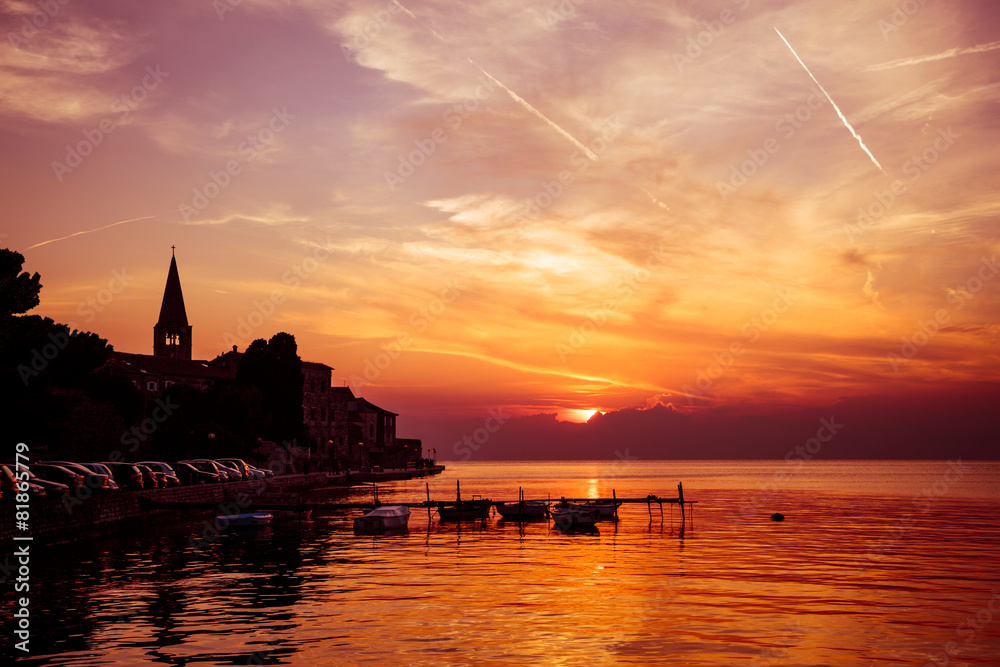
column 53, row 387
column 18, row 291
column 287, row 380
column 274, row 368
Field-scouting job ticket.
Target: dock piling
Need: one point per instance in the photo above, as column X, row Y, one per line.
column 680, row 501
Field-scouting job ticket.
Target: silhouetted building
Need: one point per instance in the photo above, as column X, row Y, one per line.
column 172, row 333
column 171, row 361
column 343, row 430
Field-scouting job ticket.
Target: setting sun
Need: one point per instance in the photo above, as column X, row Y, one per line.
column 577, row 415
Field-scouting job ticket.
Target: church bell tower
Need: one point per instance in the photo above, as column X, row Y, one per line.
column 172, row 333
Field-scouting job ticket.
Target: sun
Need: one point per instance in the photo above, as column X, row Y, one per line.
column 575, row 415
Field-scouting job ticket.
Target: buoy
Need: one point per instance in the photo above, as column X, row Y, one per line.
column 777, row 516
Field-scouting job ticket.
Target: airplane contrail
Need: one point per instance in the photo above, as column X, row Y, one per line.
column 514, row 96
column 517, row 98
column 414, row 17
column 950, row 53
column 89, row 231
column 654, row 199
column 836, row 108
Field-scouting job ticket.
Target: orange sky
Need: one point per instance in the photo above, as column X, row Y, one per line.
column 545, row 206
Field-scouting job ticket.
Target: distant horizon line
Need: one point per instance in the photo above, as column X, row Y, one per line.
column 641, row 460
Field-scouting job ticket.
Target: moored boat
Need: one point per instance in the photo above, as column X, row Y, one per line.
column 462, row 510
column 242, row 520
column 523, row 510
column 292, row 514
column 608, row 509
column 569, row 518
column 465, row 510
column 383, row 518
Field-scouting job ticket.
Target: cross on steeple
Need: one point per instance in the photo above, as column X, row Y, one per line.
column 172, row 250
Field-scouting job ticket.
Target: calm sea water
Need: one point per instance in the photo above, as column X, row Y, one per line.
column 876, row 563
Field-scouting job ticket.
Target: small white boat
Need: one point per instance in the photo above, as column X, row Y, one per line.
column 242, row 520
column 382, row 518
column 568, row 518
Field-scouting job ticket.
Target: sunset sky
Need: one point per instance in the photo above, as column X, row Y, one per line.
column 544, row 207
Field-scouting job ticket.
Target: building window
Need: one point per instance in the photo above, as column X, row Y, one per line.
column 173, row 339
column 312, row 414
column 151, row 386
column 371, row 430
column 167, row 383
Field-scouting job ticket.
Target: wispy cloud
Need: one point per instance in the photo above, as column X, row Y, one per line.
column 91, row 231
column 950, row 53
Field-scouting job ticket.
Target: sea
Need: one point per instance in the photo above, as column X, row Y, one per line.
column 875, row 563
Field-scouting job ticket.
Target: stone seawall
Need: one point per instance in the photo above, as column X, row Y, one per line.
column 69, row 518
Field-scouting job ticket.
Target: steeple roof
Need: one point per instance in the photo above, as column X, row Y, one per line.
column 172, row 309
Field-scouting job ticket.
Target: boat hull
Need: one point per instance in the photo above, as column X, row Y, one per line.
column 382, row 519
column 465, row 510
column 606, row 510
column 570, row 518
column 523, row 511
column 242, row 520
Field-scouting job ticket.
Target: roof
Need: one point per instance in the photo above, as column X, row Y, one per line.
column 364, row 405
column 147, row 363
column 172, row 309
column 315, row 366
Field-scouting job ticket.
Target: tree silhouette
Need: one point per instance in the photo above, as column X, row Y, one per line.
column 18, row 291
column 275, row 369
column 54, row 390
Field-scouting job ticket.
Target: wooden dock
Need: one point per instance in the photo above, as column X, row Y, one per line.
column 393, row 474
column 295, row 504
